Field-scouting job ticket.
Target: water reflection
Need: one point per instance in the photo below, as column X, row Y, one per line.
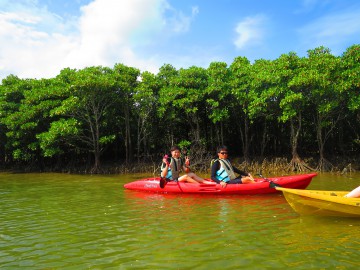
column 322, row 242
column 52, row 221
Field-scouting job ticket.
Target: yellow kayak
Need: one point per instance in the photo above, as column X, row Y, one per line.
column 321, row 202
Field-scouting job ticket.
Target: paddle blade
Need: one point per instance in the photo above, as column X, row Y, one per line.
column 273, row 185
column 162, row 182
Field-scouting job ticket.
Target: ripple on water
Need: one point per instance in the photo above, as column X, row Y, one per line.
column 92, row 223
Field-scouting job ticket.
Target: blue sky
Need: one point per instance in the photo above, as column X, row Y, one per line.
column 38, row 38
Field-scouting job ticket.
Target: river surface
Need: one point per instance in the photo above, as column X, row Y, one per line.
column 63, row 221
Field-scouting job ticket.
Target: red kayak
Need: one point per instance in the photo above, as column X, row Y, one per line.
column 261, row 185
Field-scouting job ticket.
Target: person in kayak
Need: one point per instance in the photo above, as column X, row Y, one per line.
column 355, row 193
column 222, row 172
column 172, row 166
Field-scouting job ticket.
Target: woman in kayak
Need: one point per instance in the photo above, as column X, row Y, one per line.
column 222, row 172
column 355, row 193
column 172, row 166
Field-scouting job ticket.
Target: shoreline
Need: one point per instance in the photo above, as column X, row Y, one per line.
column 270, row 166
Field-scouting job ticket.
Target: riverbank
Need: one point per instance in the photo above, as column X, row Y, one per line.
column 268, row 166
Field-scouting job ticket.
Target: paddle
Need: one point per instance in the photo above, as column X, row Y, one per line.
column 162, row 182
column 271, row 183
column 163, row 179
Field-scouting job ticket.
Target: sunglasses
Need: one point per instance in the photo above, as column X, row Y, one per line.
column 224, row 153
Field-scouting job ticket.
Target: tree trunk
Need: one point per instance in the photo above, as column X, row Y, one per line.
column 198, row 130
column 245, row 138
column 96, row 168
column 221, row 133
column 96, row 143
column 128, row 144
column 138, row 142
column 296, row 163
column 264, row 140
column 324, row 165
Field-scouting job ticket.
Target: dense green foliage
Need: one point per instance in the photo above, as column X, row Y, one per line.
column 291, row 106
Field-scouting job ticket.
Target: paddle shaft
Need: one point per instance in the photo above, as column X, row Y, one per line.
column 272, row 184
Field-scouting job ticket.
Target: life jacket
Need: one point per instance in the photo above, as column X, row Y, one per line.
column 173, row 172
column 225, row 172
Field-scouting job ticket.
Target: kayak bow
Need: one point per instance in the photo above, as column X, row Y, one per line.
column 321, row 202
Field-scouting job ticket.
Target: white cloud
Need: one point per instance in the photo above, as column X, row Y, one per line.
column 249, row 31
column 333, row 31
column 23, row 46
column 177, row 22
column 308, row 5
column 195, row 10
column 106, row 27
column 37, row 43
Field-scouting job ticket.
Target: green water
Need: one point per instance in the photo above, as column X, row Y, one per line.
column 61, row 221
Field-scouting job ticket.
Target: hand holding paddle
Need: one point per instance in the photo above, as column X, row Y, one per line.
column 163, row 179
column 166, row 160
column 187, row 164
